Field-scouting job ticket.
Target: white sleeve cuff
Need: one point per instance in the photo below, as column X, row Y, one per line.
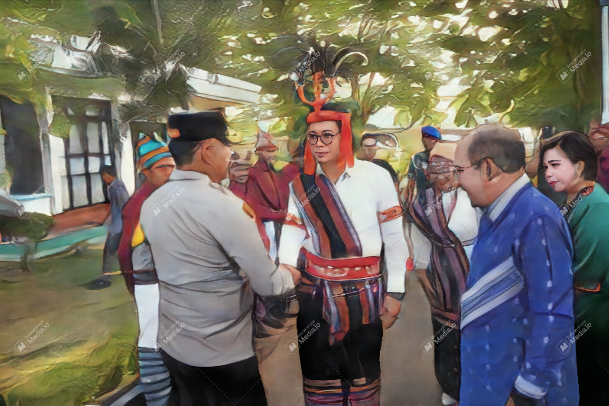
column 529, row 389
column 395, row 283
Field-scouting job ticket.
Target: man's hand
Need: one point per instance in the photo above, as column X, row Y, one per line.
column 295, row 272
column 390, row 311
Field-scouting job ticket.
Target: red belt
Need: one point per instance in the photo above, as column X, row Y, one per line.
column 342, row 269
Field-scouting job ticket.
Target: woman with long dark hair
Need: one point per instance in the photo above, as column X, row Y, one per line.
column 570, row 165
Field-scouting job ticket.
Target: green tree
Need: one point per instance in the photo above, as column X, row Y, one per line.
column 513, row 54
column 144, row 45
column 266, row 40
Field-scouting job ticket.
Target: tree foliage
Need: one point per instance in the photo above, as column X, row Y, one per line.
column 144, row 44
column 510, row 55
column 520, row 69
column 266, row 40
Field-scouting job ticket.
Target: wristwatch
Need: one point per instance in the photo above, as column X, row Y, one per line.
column 397, row 296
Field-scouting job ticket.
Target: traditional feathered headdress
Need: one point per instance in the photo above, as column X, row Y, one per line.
column 317, row 115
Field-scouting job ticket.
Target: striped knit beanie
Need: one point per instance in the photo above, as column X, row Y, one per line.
column 150, row 150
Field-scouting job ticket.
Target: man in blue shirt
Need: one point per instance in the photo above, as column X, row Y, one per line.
column 517, row 309
column 118, row 196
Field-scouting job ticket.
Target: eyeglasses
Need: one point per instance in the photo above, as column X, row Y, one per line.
column 441, row 172
column 326, row 138
column 460, row 169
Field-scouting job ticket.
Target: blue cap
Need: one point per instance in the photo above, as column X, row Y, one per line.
column 431, row 131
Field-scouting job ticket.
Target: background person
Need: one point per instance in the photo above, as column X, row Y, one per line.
column 599, row 139
column 264, row 191
column 570, row 166
column 370, row 146
column 445, row 230
column 155, row 162
column 118, row 196
column 417, row 180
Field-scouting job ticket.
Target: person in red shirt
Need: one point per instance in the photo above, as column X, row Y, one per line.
column 238, row 174
column 156, row 164
column 264, row 191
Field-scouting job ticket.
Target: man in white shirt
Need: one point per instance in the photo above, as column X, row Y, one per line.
column 208, row 257
column 342, row 211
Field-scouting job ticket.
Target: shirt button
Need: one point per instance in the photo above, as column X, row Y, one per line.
column 487, row 328
column 525, row 321
column 487, row 347
column 546, row 340
column 515, row 340
column 515, row 359
column 551, row 318
column 550, row 306
column 488, row 367
column 488, row 387
column 549, row 284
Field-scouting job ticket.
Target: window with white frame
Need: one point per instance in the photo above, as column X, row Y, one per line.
column 86, row 148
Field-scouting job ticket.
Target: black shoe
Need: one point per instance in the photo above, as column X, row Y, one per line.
column 98, row 284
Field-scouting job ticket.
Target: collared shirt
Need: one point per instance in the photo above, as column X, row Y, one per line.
column 463, row 222
column 501, row 202
column 365, row 190
column 118, row 195
column 208, row 257
column 519, row 301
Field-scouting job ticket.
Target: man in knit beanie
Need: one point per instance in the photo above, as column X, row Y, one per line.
column 156, row 164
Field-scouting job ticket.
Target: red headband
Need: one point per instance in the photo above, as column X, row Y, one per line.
column 318, row 115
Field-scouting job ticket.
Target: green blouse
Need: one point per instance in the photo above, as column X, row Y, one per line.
column 589, row 224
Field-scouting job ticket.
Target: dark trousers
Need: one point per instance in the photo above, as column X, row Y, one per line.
column 447, row 358
column 227, row 385
column 520, row 400
column 357, row 356
column 592, row 351
column 110, row 252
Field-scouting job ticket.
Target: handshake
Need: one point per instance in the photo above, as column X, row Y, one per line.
column 293, row 271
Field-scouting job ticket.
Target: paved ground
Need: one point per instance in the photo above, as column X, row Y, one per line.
column 407, row 371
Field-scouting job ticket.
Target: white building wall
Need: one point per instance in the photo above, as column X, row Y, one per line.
column 124, row 151
column 126, row 166
column 59, row 180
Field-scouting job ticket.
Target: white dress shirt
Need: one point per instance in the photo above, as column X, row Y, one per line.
column 463, row 222
column 366, row 190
